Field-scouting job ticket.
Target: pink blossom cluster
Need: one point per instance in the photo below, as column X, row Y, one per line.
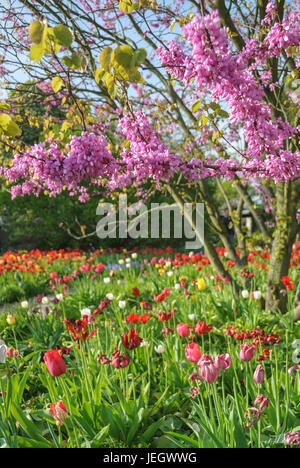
column 86, row 158
column 148, row 157
column 213, row 67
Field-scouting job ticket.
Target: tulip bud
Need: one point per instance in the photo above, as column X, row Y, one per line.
column 59, row 412
column 10, row 319
column 245, row 294
column 259, row 374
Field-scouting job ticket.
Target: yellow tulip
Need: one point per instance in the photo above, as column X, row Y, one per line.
column 10, row 319
column 201, row 284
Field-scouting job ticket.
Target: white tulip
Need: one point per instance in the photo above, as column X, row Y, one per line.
column 3, row 350
column 160, row 348
column 109, row 296
column 85, row 311
column 106, row 280
column 257, row 295
column 24, row 304
column 245, row 294
column 45, row 300
column 122, row 304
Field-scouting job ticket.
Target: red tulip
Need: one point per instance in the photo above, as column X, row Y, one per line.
column 120, row 361
column 55, row 363
column 193, row 352
column 131, row 340
column 201, row 328
column 135, row 292
column 59, row 412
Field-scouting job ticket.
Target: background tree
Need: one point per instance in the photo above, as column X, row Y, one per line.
column 200, row 89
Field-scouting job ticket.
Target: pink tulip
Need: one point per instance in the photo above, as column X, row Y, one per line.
column 247, row 352
column 259, row 374
column 261, row 401
column 193, row 352
column 223, row 361
column 183, row 330
column 208, row 370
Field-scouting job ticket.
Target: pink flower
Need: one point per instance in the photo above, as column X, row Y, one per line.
column 291, row 369
column 193, row 352
column 223, row 361
column 292, row 438
column 254, row 415
column 183, row 330
column 259, row 374
column 195, row 376
column 261, row 401
column 247, row 352
column 208, row 370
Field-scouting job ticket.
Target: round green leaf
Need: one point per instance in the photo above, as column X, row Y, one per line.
column 63, row 35
column 36, row 32
column 36, row 52
column 9, row 127
column 57, row 83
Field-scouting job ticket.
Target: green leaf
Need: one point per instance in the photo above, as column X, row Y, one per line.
column 111, row 85
column 139, row 56
column 151, row 430
column 196, row 106
column 36, row 30
column 223, row 113
column 75, row 61
column 9, row 127
column 4, row 106
column 29, row 427
column 24, row 442
column 127, row 6
column 105, row 58
column 99, row 74
column 239, row 432
column 56, row 84
column 36, row 52
column 63, row 35
column 123, row 56
column 203, row 121
column 135, row 77
column 96, row 442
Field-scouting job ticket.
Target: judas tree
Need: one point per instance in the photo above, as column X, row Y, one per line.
column 195, row 90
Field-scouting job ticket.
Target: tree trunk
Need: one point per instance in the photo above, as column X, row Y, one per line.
column 284, row 237
column 208, row 246
column 297, row 304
